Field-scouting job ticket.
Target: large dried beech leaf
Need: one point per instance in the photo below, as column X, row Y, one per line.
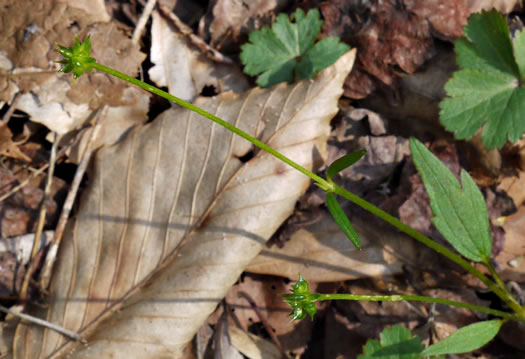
column 171, row 218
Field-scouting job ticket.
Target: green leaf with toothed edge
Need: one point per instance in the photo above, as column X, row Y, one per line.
column 394, row 343
column 289, row 51
column 488, row 91
column 460, row 211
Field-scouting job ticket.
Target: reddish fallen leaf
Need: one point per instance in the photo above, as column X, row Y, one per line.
column 20, row 211
column 387, row 36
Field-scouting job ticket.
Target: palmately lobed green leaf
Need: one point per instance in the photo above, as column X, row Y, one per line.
column 287, row 51
column 320, row 56
column 394, row 343
column 460, row 213
column 519, row 51
column 466, row 339
column 487, row 91
column 490, row 35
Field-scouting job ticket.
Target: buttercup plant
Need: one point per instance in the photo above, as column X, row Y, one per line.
column 460, row 215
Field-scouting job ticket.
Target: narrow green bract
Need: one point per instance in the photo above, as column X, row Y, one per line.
column 342, row 163
column 341, row 219
column 287, row 52
column 460, row 214
column 466, row 339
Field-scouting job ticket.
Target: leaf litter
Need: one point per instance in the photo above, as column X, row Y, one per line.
column 386, row 177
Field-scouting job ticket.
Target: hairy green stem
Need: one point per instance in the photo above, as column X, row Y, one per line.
column 327, row 186
column 214, row 118
column 509, row 300
column 497, row 278
column 418, row 298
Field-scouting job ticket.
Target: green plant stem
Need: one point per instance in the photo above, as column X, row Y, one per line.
column 497, row 278
column 418, row 298
column 214, row 118
column 509, row 300
column 327, row 186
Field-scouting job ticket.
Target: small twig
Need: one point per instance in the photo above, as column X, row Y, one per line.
column 70, row 199
column 11, row 109
column 23, row 183
column 41, row 219
column 44, row 323
column 185, row 30
column 139, row 29
column 263, row 320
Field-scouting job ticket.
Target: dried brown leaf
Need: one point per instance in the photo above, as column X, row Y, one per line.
column 388, row 38
column 265, row 293
column 504, row 6
column 171, row 217
column 20, row 211
column 95, row 8
column 252, row 346
column 447, row 17
column 322, row 253
column 115, row 124
column 511, row 258
column 111, row 47
column 28, row 50
column 28, row 38
column 233, row 17
column 8, row 147
column 184, row 68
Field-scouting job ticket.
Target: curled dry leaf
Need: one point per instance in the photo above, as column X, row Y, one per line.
column 233, row 17
column 8, row 147
column 171, row 217
column 184, row 68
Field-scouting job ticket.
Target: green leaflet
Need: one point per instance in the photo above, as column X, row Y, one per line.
column 466, row 339
column 460, row 213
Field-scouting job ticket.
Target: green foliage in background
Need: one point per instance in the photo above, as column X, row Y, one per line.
column 488, row 91
column 288, row 52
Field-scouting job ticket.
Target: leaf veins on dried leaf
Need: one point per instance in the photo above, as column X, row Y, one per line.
column 171, row 217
